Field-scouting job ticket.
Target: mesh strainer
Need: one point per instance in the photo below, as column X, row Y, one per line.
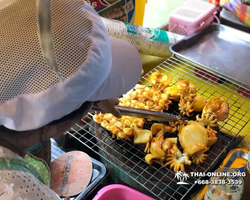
column 30, row 94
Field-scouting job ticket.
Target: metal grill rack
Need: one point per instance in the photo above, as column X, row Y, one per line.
column 129, row 159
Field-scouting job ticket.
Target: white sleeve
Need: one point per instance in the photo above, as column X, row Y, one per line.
column 125, row 72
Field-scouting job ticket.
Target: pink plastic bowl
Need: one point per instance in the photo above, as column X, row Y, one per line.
column 121, row 192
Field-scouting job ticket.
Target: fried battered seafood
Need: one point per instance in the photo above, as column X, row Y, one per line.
column 169, row 144
column 142, row 136
column 195, row 137
column 187, row 93
column 125, row 128
column 212, row 138
column 194, row 141
column 186, row 107
column 183, row 90
column 177, row 124
column 177, row 160
column 186, row 89
column 160, row 129
column 173, row 93
column 159, row 149
column 162, row 150
column 122, row 128
column 199, row 103
column 159, row 81
column 216, row 109
column 207, row 119
column 145, row 98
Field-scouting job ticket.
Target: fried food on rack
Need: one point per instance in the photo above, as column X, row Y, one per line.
column 125, row 128
column 186, row 89
column 199, row 103
column 183, row 90
column 199, row 158
column 207, row 119
column 115, row 130
column 195, row 137
column 122, row 128
column 159, row 147
column 187, row 92
column 159, row 129
column 217, row 106
column 156, row 155
column 150, row 159
column 177, row 124
column 145, row 97
column 177, row 160
column 159, row 81
column 212, row 138
column 142, row 136
column 169, row 144
column 155, row 146
column 216, row 109
column 173, row 92
column 194, row 141
column 185, row 107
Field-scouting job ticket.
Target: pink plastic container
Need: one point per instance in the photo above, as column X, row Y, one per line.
column 191, row 17
column 120, row 192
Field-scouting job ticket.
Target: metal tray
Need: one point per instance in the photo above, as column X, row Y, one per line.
column 220, row 49
column 98, row 173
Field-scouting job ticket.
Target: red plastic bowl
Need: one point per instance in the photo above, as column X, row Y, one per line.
column 121, row 192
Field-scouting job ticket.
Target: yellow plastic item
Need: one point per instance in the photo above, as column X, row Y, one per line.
column 238, row 163
column 139, row 11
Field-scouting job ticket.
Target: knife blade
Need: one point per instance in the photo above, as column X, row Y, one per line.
column 142, row 113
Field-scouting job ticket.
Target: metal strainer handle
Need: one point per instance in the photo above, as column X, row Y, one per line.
column 45, row 35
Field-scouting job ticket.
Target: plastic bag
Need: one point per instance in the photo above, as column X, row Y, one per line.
column 241, row 11
column 122, row 10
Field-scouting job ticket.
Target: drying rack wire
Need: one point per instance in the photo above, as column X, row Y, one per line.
column 161, row 182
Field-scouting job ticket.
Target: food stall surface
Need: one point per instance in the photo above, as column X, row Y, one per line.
column 219, row 48
column 126, row 162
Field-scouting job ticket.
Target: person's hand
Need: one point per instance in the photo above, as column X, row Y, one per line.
column 108, row 106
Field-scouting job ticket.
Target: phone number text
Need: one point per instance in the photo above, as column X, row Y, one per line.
column 219, row 182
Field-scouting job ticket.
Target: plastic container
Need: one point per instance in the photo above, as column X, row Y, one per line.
column 191, row 17
column 121, row 192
